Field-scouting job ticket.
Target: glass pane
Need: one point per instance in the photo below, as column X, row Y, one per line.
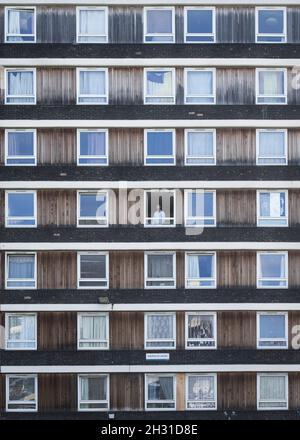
column 20, row 266
column 21, row 327
column 160, row 266
column 272, row 326
column 271, row 83
column 271, row 144
column 200, row 144
column 160, row 388
column 272, row 266
column 199, row 21
column 92, row 205
column 20, row 21
column 160, row 326
column 272, row 388
column 93, row 327
column 94, row 388
column 159, row 143
column 20, row 143
column 92, row 266
column 20, row 83
column 270, row 21
column 199, row 83
column 92, row 22
column 200, row 204
column 159, row 21
column 201, row 388
column 22, row 389
column 200, row 326
column 20, row 205
column 92, row 143
column 159, row 83
column 92, row 82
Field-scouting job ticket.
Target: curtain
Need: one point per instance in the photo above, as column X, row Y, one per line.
column 271, row 145
column 92, row 144
column 20, row 266
column 272, row 388
column 93, row 388
column 92, row 82
column 160, row 266
column 200, row 144
column 200, row 266
column 199, row 83
column 21, row 328
column 93, row 327
column 14, row 23
column 200, row 326
column 160, row 388
column 159, row 83
column 160, row 326
column 201, row 388
column 20, row 84
column 271, row 83
column 92, row 22
column 20, row 144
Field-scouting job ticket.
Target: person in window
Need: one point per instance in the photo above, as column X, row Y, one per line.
column 158, row 216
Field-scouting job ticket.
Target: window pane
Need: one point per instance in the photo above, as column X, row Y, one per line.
column 92, row 82
column 20, row 205
column 92, row 205
column 201, row 388
column 160, row 326
column 21, row 389
column 92, row 143
column 270, row 21
column 93, row 327
column 92, row 23
column 199, row 21
column 200, row 144
column 272, row 266
column 20, row 266
column 21, row 331
column 272, row 147
column 160, row 388
column 200, row 204
column 159, row 83
column 159, row 21
column 93, row 388
column 20, row 143
column 159, row 143
column 20, row 25
column 200, row 326
column 20, row 84
column 200, row 266
column 160, row 208
column 271, row 83
column 272, row 388
column 92, row 266
column 199, row 87
column 272, row 326
column 160, row 266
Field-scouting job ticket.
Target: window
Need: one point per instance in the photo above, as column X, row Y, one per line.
column 20, row 86
column 92, row 25
column 92, row 86
column 159, row 208
column 92, row 209
column 200, row 86
column 20, row 209
column 200, row 147
column 160, row 270
column 20, row 25
column 160, row 391
column 271, row 86
column 20, row 331
column 201, row 391
column 21, row 392
column 200, row 330
column 159, row 86
column 272, row 391
column 92, row 331
column 199, row 25
column 92, row 147
column 93, row 392
column 272, row 330
column 271, row 147
column 200, row 208
column 272, row 208
column 20, row 147
column 270, row 25
column 20, row 271
column 160, row 330
column 159, row 25
column 92, row 270
column 272, row 270
column 200, row 270
column 159, row 147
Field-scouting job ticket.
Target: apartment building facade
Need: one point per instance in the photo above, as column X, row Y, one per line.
column 149, row 209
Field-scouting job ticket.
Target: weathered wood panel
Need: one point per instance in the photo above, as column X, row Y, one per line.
column 235, row 146
column 180, row 330
column 237, row 391
column 293, row 321
column 294, row 207
column 126, row 330
column 1, row 24
column 235, row 24
column 236, row 268
column 126, row 86
column 57, row 270
column 180, row 270
column 294, row 272
column 2, row 208
column 56, row 85
column 293, row 146
column 293, row 25
column 293, row 86
column 294, row 391
column 235, row 86
column 126, row 270
column 180, row 392
column 236, row 329
column 179, row 86
column 56, row 208
column 125, row 24
column 127, row 392
column 2, row 392
column 56, row 146
column 2, row 147
column 57, row 392
column 56, row 24
column 2, row 269
column 57, row 331
column 236, row 208
column 126, row 147
column 2, row 88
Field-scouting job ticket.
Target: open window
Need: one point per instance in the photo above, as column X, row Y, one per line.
column 93, row 392
column 272, row 391
column 20, row 331
column 20, row 271
column 200, row 270
column 200, row 208
column 92, row 86
column 199, row 25
column 92, row 209
column 93, row 331
column 201, row 391
column 272, row 270
column 21, row 392
column 20, row 86
column 20, row 209
column 159, row 25
column 92, row 147
column 160, row 270
column 200, row 147
column 159, row 208
column 160, row 147
column 272, row 208
column 92, row 24
column 159, row 86
column 270, row 25
column 200, row 86
column 201, row 330
column 160, row 392
column 160, row 331
column 271, row 86
column 271, row 147
column 20, row 24
column 272, row 330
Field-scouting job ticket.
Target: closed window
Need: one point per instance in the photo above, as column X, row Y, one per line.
column 20, row 147
column 200, row 328
column 272, row 270
column 159, row 86
column 160, row 391
column 160, row 270
column 272, row 391
column 92, row 209
column 200, row 147
column 199, row 25
column 271, row 86
column 159, row 208
column 200, row 270
column 20, row 209
column 271, row 147
column 159, row 25
column 20, row 331
column 92, row 147
column 159, row 147
column 20, row 271
column 20, row 86
column 93, row 392
column 270, row 25
column 92, row 331
column 200, row 86
column 272, row 330
column 160, row 330
column 92, row 25
column 20, row 25
column 272, row 208
column 201, row 391
column 92, row 86
column 21, row 392
column 200, row 209
column 92, row 270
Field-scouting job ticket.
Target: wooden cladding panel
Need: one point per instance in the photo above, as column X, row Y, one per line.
column 2, row 147
column 293, row 146
column 127, row 392
column 56, row 24
column 57, row 331
column 126, row 270
column 293, row 25
column 294, row 272
column 126, row 330
column 235, row 24
column 2, row 392
column 237, row 391
column 294, row 321
column 236, row 146
column 57, row 392
column 236, row 208
column 294, row 207
column 57, row 270
column 180, row 392
column 125, row 24
column 180, row 330
column 236, row 329
column 236, row 268
column 126, row 86
column 180, row 270
column 56, row 207
column 126, row 146
column 56, row 86
column 2, row 270
column 294, row 391
column 2, row 208
column 235, row 86
column 56, row 146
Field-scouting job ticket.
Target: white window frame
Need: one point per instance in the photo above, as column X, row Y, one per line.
column 204, row 347
column 260, row 218
column 171, row 97
column 187, row 400
column 79, row 279
column 6, row 35
column 265, row 130
column 213, row 279
column 78, row 95
column 7, row 255
column 79, row 192
column 7, row 157
column 80, row 401
column 149, row 340
column 186, row 217
column 34, row 217
column 258, row 35
column 79, row 156
column 258, row 95
column 147, row 34
column 147, row 401
column 267, row 408
column 168, row 130
column 258, row 271
column 7, row 340
column 213, row 34
column 160, row 225
column 22, row 402
column 104, row 341
column 91, row 8
column 173, row 279
column 259, row 339
column 213, row 95
column 186, row 146
column 17, row 69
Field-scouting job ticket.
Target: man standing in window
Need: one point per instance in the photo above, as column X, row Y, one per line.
column 158, row 216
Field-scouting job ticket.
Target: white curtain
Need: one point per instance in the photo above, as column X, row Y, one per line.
column 92, row 83
column 92, row 22
column 21, row 328
column 20, row 144
column 14, row 21
column 160, row 266
column 196, row 204
column 200, row 144
column 272, row 204
column 20, row 266
column 194, row 266
column 160, row 327
column 92, row 144
column 20, row 84
column 271, row 83
column 201, row 388
column 159, row 83
column 199, row 83
column 272, row 388
column 271, row 145
column 93, row 327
